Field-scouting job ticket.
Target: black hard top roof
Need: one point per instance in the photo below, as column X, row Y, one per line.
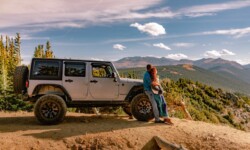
column 64, row 59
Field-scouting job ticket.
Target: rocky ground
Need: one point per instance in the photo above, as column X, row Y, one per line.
column 20, row 130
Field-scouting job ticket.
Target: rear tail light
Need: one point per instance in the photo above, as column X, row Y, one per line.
column 27, row 84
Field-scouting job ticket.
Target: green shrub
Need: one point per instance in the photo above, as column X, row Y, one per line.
column 197, row 115
column 14, row 103
column 178, row 114
column 211, row 117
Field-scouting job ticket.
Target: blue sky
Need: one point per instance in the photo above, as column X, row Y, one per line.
column 113, row 29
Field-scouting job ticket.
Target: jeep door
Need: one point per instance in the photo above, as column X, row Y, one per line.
column 75, row 80
column 102, row 85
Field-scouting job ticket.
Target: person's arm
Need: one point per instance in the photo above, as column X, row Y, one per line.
column 146, row 81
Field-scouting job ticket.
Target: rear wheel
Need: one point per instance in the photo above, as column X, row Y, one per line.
column 50, row 109
column 141, row 108
column 20, row 78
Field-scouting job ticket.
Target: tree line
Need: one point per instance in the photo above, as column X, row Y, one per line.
column 10, row 58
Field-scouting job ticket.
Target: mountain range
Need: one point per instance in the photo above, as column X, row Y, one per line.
column 138, row 61
column 221, row 73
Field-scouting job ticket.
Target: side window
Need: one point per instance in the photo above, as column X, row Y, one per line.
column 101, row 70
column 75, row 69
column 46, row 69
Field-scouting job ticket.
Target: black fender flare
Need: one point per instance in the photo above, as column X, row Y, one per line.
column 65, row 92
column 133, row 92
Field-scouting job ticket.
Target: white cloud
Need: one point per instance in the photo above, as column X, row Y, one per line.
column 211, row 9
column 212, row 53
column 64, row 13
column 62, row 24
column 194, row 15
column 185, row 45
column 151, row 28
column 177, row 56
column 237, row 33
column 242, row 62
column 119, row 47
column 215, row 53
column 227, row 52
column 162, row 46
column 159, row 13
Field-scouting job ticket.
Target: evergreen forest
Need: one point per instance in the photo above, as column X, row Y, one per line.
column 10, row 57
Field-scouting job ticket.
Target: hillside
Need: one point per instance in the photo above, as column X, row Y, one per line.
column 247, row 66
column 20, row 130
column 229, row 69
column 204, row 102
column 226, row 82
column 208, row 63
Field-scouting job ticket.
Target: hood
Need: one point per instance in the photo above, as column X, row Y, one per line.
column 127, row 80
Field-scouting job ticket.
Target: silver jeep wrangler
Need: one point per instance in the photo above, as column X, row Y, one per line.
column 55, row 84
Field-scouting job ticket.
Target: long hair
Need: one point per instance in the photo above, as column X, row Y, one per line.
column 153, row 75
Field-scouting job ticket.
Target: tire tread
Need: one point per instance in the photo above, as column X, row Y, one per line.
column 55, row 98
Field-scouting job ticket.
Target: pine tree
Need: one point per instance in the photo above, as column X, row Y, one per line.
column 39, row 51
column 4, row 59
column 17, row 51
column 2, row 49
column 13, row 61
column 36, row 52
column 48, row 51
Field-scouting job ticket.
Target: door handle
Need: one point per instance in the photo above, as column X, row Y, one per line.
column 69, row 80
column 93, row 81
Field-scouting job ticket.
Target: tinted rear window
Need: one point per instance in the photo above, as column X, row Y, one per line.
column 46, row 69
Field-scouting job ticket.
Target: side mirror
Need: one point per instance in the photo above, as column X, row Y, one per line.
column 114, row 75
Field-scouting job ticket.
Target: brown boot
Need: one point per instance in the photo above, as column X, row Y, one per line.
column 168, row 121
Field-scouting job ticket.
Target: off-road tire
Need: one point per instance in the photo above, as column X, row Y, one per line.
column 20, row 78
column 141, row 107
column 50, row 109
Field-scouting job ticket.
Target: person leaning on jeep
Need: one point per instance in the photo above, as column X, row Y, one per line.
column 149, row 93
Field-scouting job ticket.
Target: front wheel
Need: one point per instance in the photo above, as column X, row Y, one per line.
column 50, row 109
column 141, row 108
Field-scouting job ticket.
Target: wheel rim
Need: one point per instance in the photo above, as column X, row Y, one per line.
column 144, row 106
column 50, row 110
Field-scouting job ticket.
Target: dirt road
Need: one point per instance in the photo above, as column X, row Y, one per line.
column 81, row 131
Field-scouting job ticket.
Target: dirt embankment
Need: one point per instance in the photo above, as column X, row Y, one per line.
column 81, row 131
